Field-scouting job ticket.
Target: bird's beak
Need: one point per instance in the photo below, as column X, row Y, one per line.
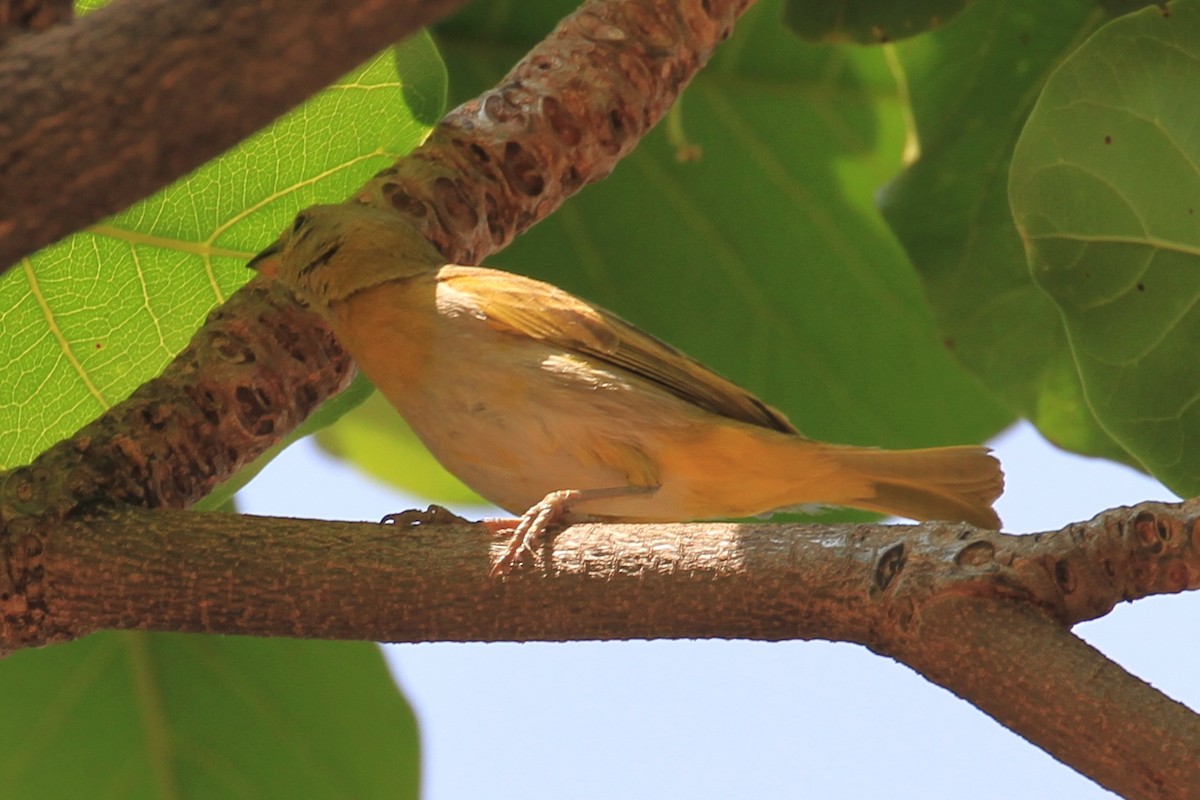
column 265, row 262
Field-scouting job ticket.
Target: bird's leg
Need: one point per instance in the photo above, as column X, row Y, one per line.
column 544, row 515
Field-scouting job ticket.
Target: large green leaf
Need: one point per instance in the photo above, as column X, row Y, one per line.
column 972, row 85
column 867, row 21
column 1106, row 191
column 138, row 715
column 91, row 318
column 764, row 258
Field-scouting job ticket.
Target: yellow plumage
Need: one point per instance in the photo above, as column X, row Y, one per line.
column 523, row 390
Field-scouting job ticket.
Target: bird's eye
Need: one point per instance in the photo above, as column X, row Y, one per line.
column 301, row 221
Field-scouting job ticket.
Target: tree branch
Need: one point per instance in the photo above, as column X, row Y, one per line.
column 984, row 614
column 102, row 112
column 170, row 443
column 577, row 104
column 861, row 583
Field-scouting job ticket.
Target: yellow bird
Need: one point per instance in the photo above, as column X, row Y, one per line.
column 560, row 411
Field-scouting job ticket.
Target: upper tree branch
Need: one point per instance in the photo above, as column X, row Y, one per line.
column 101, row 112
column 578, row 103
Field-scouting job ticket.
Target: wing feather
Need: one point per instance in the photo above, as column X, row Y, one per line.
column 527, row 307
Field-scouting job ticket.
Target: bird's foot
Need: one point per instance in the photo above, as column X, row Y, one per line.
column 434, row 515
column 532, row 529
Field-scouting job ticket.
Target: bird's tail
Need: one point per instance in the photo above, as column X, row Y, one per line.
column 957, row 484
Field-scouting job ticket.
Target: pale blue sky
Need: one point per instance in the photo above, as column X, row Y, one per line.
column 719, row 719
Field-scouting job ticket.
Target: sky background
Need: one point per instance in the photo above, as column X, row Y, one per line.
column 724, row 719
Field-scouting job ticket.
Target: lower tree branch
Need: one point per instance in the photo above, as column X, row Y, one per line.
column 984, row 614
column 207, row 572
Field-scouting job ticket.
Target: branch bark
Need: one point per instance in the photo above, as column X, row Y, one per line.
column 1038, row 679
column 943, row 598
column 577, row 104
column 861, row 583
column 101, row 112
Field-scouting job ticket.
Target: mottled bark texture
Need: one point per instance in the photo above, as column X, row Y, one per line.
column 870, row 584
column 982, row 613
column 99, row 113
column 561, row 119
column 253, row 372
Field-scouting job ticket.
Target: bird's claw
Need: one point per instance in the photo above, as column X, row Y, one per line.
column 434, row 515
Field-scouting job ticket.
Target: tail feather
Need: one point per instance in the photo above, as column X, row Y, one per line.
column 942, row 483
column 743, row 471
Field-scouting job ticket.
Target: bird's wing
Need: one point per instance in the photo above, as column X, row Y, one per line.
column 526, row 307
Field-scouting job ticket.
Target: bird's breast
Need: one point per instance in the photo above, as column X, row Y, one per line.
column 511, row 416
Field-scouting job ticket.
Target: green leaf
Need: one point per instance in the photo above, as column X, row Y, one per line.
column 765, row 258
column 139, row 715
column 972, row 86
column 1105, row 189
column 867, row 21
column 94, row 316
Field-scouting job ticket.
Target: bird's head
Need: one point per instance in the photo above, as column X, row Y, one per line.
column 330, row 252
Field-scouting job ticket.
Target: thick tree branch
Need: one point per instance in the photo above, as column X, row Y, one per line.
column 97, row 114
column 985, row 614
column 863, row 583
column 169, row 444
